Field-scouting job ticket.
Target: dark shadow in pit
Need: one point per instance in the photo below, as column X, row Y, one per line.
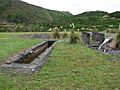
column 29, row 56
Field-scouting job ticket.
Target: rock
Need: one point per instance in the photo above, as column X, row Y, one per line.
column 8, row 62
column 112, row 45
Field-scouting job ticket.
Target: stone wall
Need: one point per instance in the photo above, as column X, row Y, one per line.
column 37, row 36
column 85, row 38
column 98, row 37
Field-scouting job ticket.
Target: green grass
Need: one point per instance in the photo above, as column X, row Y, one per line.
column 11, row 43
column 69, row 67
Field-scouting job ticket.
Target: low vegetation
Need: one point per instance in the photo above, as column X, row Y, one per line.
column 56, row 34
column 11, row 43
column 15, row 11
column 70, row 66
column 74, row 38
column 65, row 34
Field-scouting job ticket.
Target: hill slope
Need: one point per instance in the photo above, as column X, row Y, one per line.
column 17, row 11
column 100, row 19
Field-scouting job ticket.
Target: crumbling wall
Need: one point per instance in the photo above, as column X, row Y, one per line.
column 98, row 37
column 85, row 38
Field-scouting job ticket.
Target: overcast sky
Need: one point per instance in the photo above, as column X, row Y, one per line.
column 78, row 6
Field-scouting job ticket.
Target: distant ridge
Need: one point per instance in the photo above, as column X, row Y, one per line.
column 17, row 11
column 89, row 19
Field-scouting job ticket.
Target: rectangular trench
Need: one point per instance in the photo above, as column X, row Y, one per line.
column 30, row 61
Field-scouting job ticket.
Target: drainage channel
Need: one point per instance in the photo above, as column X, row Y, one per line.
column 31, row 60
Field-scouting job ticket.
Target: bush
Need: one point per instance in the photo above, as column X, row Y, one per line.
column 65, row 35
column 56, row 34
column 74, row 38
column 111, row 31
column 118, row 40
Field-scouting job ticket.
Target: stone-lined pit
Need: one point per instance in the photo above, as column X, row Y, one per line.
column 31, row 60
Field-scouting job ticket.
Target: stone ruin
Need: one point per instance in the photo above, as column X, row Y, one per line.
column 98, row 37
column 92, row 38
column 97, row 41
column 37, row 36
column 109, row 46
column 29, row 61
column 86, row 38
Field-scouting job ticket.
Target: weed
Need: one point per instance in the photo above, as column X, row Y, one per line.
column 74, row 37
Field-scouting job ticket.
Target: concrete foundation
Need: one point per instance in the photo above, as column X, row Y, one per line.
column 21, row 65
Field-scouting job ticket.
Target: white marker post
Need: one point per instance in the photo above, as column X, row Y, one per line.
column 73, row 25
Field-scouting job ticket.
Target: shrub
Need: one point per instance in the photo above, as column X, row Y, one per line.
column 118, row 40
column 56, row 34
column 112, row 31
column 74, row 38
column 65, row 35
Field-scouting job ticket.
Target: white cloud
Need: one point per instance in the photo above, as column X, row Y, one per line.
column 78, row 6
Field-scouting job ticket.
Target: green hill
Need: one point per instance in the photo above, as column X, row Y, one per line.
column 92, row 19
column 115, row 14
column 92, row 14
column 17, row 11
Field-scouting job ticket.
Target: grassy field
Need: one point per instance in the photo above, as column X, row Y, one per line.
column 69, row 67
column 11, row 43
